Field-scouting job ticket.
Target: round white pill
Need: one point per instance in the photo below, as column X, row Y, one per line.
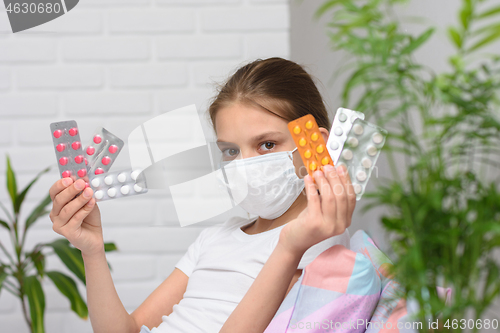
column 112, row 192
column 357, row 188
column 122, row 177
column 342, row 117
column 361, row 176
column 95, row 182
column 347, row 154
column 134, row 174
column 377, row 138
column 125, row 189
column 108, row 180
column 137, row 188
column 98, row 195
column 334, row 145
column 366, row 162
column 353, row 142
column 371, row 150
column 338, row 131
column 358, row 129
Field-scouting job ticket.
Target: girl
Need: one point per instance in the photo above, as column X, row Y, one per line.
column 236, row 274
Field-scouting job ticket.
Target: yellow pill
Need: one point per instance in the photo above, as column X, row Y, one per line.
column 302, row 142
column 325, row 160
column 307, row 154
column 313, row 166
column 309, row 124
column 320, row 149
column 296, row 130
column 314, row 136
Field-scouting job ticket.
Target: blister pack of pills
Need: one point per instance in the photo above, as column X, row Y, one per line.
column 310, row 143
column 68, row 148
column 342, row 124
column 113, row 185
column 361, row 150
column 102, row 151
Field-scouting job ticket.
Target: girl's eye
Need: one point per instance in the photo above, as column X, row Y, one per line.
column 230, row 153
column 268, row 145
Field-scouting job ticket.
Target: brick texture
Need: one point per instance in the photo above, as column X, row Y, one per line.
column 117, row 64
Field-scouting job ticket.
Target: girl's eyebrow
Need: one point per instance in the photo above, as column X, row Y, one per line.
column 258, row 137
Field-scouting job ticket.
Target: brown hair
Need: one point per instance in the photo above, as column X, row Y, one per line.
column 277, row 85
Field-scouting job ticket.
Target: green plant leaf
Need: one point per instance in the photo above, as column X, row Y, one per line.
column 11, row 182
column 22, row 195
column 328, row 5
column 489, row 12
column 38, row 212
column 3, row 276
column 109, row 247
column 38, row 259
column 68, row 288
column 455, row 37
column 416, row 43
column 36, row 298
column 4, row 224
column 70, row 256
column 485, row 41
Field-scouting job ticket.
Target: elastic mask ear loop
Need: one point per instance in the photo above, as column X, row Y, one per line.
column 291, row 153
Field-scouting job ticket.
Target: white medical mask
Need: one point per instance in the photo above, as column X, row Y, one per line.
column 263, row 185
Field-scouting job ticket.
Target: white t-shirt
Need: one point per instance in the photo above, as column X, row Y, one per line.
column 222, row 264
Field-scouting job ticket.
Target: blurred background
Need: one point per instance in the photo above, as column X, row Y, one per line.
column 118, row 63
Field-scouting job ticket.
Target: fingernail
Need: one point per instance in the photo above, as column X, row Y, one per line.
column 317, row 173
column 67, row 181
column 341, row 170
column 328, row 168
column 87, row 193
column 80, row 185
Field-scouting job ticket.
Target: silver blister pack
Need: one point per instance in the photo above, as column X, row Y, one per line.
column 360, row 153
column 342, row 124
column 68, row 147
column 113, row 185
column 102, row 151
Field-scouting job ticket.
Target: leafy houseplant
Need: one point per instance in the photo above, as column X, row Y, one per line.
column 444, row 211
column 23, row 272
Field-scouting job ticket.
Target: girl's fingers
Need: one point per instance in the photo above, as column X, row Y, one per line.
column 339, row 194
column 328, row 203
column 71, row 208
column 59, row 186
column 351, row 195
column 66, row 195
column 75, row 222
column 313, row 202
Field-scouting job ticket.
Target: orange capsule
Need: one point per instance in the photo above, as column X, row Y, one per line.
column 309, row 124
column 296, row 129
column 314, row 136
column 325, row 160
column 302, row 142
column 313, row 166
column 307, row 154
column 320, row 149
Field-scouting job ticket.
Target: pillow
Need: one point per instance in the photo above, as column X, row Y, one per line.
column 338, row 290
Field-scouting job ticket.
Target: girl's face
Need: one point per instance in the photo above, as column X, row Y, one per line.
column 245, row 131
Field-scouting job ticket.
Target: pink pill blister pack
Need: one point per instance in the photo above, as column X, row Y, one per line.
column 69, row 153
column 102, row 151
column 93, row 162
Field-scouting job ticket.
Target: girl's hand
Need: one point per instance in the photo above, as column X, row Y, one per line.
column 78, row 219
column 327, row 214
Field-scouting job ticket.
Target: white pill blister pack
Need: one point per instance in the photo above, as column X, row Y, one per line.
column 361, row 150
column 113, row 185
column 342, row 124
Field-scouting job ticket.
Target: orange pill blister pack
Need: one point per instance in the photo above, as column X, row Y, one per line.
column 310, row 143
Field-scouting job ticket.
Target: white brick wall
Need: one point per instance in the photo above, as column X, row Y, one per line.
column 118, row 63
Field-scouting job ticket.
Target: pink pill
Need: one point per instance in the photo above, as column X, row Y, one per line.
column 86, row 185
column 97, row 139
column 105, row 160
column 76, row 145
column 73, row 131
column 57, row 134
column 63, row 160
column 90, row 150
column 82, row 172
column 98, row 171
column 79, row 159
column 60, row 147
column 112, row 149
column 66, row 173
